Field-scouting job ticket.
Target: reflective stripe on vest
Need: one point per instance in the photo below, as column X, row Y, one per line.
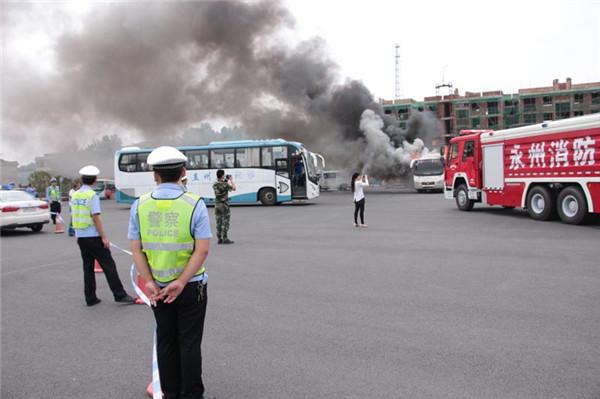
column 165, row 234
column 81, row 209
column 54, row 194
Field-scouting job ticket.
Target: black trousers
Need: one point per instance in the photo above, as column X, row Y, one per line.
column 54, row 208
column 359, row 206
column 92, row 249
column 179, row 328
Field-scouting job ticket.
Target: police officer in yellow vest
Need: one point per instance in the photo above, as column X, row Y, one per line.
column 170, row 233
column 53, row 198
column 92, row 241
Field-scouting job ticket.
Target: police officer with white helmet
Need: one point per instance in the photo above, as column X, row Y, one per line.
column 92, row 241
column 170, row 233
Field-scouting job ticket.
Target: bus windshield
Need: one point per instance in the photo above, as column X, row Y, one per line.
column 311, row 170
column 428, row 167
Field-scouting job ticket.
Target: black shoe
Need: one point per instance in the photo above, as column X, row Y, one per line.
column 126, row 299
column 227, row 241
column 220, row 241
column 94, row 302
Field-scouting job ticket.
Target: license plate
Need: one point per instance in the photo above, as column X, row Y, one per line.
column 32, row 209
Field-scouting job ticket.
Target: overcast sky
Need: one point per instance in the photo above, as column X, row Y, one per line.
column 476, row 45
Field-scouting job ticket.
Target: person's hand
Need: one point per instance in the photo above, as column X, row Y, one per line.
column 106, row 243
column 171, row 291
column 153, row 292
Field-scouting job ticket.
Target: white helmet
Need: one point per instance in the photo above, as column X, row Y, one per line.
column 166, row 157
column 89, row 170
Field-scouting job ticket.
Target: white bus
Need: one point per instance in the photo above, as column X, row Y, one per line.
column 269, row 171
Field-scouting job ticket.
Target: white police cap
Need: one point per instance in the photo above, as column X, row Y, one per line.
column 89, row 170
column 166, row 157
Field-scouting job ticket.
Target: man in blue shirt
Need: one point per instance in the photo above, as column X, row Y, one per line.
column 170, row 233
column 92, row 240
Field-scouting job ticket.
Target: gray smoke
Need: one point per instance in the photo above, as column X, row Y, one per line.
column 152, row 70
column 381, row 156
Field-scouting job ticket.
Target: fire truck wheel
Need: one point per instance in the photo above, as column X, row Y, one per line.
column 571, row 205
column 462, row 199
column 540, row 204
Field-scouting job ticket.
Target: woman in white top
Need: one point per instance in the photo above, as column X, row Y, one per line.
column 357, row 184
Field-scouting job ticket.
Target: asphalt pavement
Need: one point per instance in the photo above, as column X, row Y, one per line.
column 427, row 302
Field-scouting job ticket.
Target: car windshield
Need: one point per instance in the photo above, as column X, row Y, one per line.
column 429, row 167
column 8, row 196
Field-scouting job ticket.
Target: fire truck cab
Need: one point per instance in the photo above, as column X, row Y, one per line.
column 550, row 169
column 463, row 165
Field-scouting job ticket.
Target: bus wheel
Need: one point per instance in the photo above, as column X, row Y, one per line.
column 571, row 205
column 267, row 196
column 462, row 199
column 540, row 204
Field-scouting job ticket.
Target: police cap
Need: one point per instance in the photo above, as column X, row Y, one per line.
column 166, row 157
column 89, row 170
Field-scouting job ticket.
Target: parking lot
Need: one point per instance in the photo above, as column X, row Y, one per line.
column 428, row 302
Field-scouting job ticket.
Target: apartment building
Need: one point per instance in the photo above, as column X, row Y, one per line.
column 496, row 110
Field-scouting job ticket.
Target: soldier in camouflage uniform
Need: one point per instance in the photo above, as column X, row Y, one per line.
column 222, row 187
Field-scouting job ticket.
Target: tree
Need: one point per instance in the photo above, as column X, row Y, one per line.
column 40, row 180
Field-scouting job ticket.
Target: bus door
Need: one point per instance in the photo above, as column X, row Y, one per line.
column 298, row 173
column 282, row 178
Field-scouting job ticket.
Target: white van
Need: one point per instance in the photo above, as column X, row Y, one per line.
column 428, row 173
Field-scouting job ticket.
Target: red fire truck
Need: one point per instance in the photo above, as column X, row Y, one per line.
column 549, row 168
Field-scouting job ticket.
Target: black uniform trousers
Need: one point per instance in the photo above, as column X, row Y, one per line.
column 54, row 208
column 179, row 328
column 92, row 249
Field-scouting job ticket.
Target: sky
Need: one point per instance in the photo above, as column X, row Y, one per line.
column 475, row 45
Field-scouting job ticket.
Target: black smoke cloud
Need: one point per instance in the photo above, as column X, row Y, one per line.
column 159, row 68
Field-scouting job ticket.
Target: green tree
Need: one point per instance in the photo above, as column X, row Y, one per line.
column 40, row 180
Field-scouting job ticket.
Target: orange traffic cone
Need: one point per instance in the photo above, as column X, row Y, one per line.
column 60, row 228
column 97, row 268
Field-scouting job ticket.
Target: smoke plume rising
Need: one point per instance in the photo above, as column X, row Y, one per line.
column 151, row 70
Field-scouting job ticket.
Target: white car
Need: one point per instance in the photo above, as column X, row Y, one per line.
column 20, row 209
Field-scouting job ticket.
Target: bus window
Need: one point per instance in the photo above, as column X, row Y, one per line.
column 127, row 162
column 197, row 159
column 247, row 158
column 142, row 164
column 279, row 152
column 270, row 154
column 222, row 158
column 134, row 163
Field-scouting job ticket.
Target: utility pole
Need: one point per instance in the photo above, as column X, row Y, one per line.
column 398, row 92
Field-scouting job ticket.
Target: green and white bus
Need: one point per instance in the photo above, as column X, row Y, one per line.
column 269, row 171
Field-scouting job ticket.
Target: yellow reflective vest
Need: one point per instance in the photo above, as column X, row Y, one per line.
column 81, row 209
column 54, row 194
column 165, row 231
